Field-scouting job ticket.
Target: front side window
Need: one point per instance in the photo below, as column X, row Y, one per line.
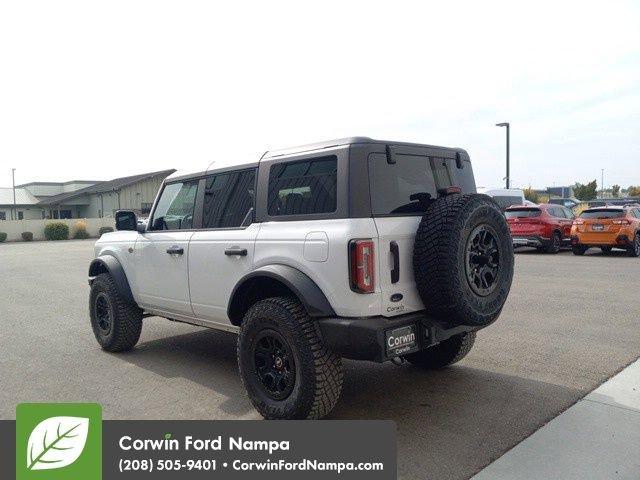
column 304, row 187
column 175, row 207
column 228, row 200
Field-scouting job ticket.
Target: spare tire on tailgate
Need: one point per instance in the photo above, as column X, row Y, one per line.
column 463, row 259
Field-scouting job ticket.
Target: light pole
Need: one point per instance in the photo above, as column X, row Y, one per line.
column 506, row 124
column 13, row 180
column 602, row 183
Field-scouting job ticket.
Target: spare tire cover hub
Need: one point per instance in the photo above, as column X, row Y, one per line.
column 483, row 260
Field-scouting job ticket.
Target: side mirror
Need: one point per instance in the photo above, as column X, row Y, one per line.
column 126, row 220
column 142, row 225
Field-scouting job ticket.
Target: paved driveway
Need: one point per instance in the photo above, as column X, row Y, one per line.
column 570, row 323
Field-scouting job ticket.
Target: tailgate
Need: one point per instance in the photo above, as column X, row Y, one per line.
column 395, row 264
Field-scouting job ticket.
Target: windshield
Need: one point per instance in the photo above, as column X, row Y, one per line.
column 522, row 212
column 602, row 213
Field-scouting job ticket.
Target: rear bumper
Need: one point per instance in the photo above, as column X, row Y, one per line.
column 530, row 241
column 380, row 338
column 622, row 240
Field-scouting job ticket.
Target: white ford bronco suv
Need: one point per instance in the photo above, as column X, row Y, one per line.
column 354, row 248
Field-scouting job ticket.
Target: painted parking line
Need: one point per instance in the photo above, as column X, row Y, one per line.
column 597, row 438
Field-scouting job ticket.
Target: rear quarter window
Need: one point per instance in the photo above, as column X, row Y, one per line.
column 303, row 187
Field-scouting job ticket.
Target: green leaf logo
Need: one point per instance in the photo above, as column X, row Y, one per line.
column 56, row 442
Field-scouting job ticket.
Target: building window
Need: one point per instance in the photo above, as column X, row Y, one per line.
column 20, row 215
column 145, row 208
column 3, row 215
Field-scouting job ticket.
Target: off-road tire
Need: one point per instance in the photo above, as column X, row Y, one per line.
column 554, row 244
column 440, row 263
column 318, row 372
column 446, row 353
column 125, row 317
column 634, row 249
column 578, row 250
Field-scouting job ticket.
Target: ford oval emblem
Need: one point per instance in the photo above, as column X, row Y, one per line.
column 396, row 297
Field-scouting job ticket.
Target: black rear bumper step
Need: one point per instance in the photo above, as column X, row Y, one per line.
column 367, row 338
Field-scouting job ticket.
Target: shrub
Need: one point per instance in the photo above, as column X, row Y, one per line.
column 27, row 236
column 3, row 237
column 56, row 231
column 81, row 230
column 104, row 230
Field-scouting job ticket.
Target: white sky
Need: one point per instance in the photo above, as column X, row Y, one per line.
column 97, row 90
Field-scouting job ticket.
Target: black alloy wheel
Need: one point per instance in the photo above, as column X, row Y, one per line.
column 274, row 364
column 483, row 260
column 104, row 316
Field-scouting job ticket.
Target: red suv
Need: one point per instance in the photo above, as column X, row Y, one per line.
column 546, row 227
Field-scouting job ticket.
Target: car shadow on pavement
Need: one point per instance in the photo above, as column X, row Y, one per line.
column 205, row 357
column 451, row 423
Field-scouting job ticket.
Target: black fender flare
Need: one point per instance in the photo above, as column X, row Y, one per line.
column 310, row 295
column 110, row 264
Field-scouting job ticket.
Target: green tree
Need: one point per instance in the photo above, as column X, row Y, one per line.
column 531, row 195
column 587, row 191
column 615, row 190
column 633, row 191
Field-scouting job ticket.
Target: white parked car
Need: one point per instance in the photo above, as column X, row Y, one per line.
column 505, row 197
column 353, row 248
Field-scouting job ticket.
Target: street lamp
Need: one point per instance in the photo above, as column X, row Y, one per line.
column 13, row 179
column 602, row 183
column 506, row 124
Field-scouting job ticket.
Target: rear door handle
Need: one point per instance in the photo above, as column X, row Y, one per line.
column 175, row 251
column 242, row 252
column 395, row 254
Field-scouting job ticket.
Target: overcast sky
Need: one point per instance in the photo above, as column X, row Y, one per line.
column 96, row 90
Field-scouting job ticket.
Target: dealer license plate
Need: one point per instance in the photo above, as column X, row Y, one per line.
column 597, row 227
column 401, row 341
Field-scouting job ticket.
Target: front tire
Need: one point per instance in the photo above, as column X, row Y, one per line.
column 578, row 250
column 286, row 370
column 446, row 353
column 116, row 323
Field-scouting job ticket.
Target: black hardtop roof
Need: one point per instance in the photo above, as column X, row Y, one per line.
column 349, row 141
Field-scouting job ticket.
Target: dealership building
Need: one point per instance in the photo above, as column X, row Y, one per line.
column 81, row 198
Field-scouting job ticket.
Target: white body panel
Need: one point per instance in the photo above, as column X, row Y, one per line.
column 121, row 246
column 300, row 244
column 401, row 230
column 161, row 279
column 212, row 274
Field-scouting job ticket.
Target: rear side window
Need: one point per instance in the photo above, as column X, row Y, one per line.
column 175, row 206
column 304, row 187
column 522, row 212
column 602, row 213
column 228, row 199
column 403, row 188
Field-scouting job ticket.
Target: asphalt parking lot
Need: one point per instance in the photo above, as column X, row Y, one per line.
column 569, row 324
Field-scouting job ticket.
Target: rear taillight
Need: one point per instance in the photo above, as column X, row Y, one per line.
column 621, row 222
column 362, row 272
